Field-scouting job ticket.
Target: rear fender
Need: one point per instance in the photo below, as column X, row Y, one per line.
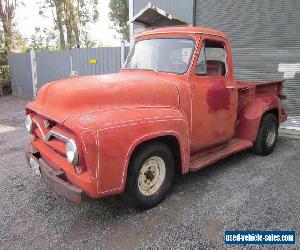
column 250, row 117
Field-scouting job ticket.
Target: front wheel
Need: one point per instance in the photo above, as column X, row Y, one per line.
column 150, row 175
column 267, row 135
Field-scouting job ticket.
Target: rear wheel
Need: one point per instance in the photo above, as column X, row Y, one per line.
column 150, row 176
column 267, row 135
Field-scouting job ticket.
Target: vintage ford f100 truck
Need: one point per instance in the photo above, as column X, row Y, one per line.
column 174, row 106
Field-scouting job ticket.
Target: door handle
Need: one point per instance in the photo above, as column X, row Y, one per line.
column 232, row 88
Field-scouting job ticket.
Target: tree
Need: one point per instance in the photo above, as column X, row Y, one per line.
column 1, row 38
column 7, row 14
column 71, row 18
column 43, row 40
column 9, row 38
column 59, row 22
column 88, row 43
column 19, row 43
column 119, row 15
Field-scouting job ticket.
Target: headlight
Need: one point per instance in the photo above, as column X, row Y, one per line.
column 28, row 124
column 72, row 152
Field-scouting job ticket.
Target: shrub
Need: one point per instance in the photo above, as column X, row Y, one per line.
column 4, row 71
column 4, row 80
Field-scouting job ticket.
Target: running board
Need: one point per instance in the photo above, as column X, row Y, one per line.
column 215, row 154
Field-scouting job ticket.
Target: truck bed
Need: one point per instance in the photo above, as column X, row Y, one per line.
column 273, row 87
column 248, row 90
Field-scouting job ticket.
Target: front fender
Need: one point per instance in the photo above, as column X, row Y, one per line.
column 118, row 132
column 250, row 117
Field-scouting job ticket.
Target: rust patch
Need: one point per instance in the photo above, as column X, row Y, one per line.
column 218, row 97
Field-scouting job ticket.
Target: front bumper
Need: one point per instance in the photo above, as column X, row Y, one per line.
column 56, row 180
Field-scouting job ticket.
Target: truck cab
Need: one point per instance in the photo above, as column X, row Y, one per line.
column 175, row 106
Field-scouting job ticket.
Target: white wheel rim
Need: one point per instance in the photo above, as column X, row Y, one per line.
column 151, row 175
column 271, row 135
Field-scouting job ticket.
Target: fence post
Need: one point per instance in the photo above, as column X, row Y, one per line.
column 33, row 72
column 122, row 53
column 73, row 72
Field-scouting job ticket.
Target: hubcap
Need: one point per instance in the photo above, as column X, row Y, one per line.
column 151, row 175
column 271, row 135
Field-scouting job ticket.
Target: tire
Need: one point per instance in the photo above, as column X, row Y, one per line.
column 267, row 135
column 150, row 176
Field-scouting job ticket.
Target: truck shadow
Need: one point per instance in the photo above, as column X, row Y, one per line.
column 199, row 181
column 195, row 184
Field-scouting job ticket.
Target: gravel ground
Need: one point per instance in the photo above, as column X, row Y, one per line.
column 243, row 192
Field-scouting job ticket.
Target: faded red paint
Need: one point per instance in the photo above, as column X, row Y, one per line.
column 223, row 97
column 108, row 116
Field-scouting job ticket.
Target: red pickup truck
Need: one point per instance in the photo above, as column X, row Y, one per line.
column 175, row 106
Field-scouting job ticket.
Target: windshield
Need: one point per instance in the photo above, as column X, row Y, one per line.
column 161, row 54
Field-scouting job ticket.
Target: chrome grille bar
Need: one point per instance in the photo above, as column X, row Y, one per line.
column 56, row 135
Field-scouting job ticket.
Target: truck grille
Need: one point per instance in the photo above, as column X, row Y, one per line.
column 50, row 134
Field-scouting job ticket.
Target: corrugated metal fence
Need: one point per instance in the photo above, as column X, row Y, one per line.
column 51, row 66
column 21, row 74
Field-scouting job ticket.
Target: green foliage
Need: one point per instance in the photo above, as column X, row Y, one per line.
column 4, row 78
column 1, row 38
column 43, row 40
column 71, row 18
column 87, row 11
column 9, row 38
column 4, row 71
column 19, row 43
column 7, row 13
column 119, row 15
column 89, row 43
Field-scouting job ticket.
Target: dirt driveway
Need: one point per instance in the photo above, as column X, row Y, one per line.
column 242, row 192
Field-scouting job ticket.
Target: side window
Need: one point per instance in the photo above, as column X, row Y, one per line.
column 212, row 59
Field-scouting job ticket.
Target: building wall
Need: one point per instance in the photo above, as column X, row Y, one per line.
column 265, row 36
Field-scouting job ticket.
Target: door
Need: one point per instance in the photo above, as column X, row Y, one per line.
column 214, row 95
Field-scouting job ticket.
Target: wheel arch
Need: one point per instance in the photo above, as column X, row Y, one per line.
column 274, row 111
column 250, row 118
column 170, row 140
column 175, row 139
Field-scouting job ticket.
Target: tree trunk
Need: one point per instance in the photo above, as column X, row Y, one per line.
column 59, row 20
column 1, row 9
column 7, row 11
column 75, row 26
column 68, row 24
column 72, row 20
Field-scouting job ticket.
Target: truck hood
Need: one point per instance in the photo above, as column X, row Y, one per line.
column 65, row 98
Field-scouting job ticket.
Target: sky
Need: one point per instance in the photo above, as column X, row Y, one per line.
column 27, row 18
